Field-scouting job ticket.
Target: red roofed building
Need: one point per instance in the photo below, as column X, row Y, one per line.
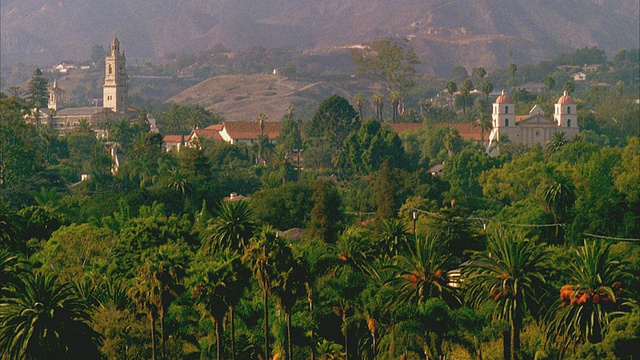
column 466, row 131
column 247, row 132
column 171, row 142
column 211, row 132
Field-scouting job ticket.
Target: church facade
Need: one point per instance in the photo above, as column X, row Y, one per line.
column 114, row 89
column 535, row 128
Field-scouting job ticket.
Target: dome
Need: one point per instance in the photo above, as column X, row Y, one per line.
column 504, row 99
column 566, row 99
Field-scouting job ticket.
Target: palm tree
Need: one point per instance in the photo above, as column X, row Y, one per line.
column 145, row 293
column 395, row 105
column 558, row 140
column 177, row 180
column 40, row 319
column 11, row 266
column 289, row 286
column 592, row 292
column 378, row 103
column 353, row 250
column 510, row 273
column 549, row 83
column 155, row 288
column 232, row 227
column 485, row 124
column 219, row 285
column 393, row 236
column 465, row 91
column 451, row 89
column 422, row 273
column 569, row 87
column 559, row 197
column 358, row 99
column 480, row 72
column 262, row 254
column 513, row 68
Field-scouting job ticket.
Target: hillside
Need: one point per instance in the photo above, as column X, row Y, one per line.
column 444, row 33
column 243, row 97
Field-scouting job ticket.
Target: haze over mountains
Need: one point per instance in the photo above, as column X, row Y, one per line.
column 444, row 33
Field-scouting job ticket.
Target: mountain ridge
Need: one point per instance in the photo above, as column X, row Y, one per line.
column 471, row 33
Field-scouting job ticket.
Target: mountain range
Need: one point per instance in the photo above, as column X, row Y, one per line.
column 444, row 33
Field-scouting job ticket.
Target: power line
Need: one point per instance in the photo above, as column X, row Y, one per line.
column 612, row 238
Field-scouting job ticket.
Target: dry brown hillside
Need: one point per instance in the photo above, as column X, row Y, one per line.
column 243, row 97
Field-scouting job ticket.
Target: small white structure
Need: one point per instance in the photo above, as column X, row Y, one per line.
column 579, row 76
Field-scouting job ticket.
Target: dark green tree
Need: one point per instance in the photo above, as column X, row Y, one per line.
column 37, row 91
column 41, row 319
column 326, row 215
column 366, row 149
column 327, row 129
column 390, row 60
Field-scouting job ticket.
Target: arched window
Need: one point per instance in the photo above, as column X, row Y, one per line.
column 506, row 122
column 110, row 69
column 568, row 122
column 506, row 109
column 568, row 109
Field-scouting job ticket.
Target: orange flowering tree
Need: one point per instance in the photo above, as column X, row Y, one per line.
column 593, row 292
column 511, row 273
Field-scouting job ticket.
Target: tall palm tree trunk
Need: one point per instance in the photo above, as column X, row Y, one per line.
column 346, row 337
column 266, row 324
column 152, row 321
column 506, row 345
column 233, row 333
column 287, row 315
column 310, row 300
column 217, row 325
column 515, row 341
column 162, row 342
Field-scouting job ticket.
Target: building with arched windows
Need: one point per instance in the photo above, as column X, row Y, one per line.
column 535, row 127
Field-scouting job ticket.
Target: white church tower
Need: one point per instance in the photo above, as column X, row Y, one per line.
column 566, row 114
column 56, row 97
column 503, row 114
column 115, row 80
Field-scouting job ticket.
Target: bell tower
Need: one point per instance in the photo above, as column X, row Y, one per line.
column 115, row 80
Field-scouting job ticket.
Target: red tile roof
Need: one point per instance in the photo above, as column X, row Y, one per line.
column 172, row 138
column 249, row 130
column 504, row 99
column 216, row 127
column 207, row 133
column 402, row 127
column 566, row 99
column 467, row 131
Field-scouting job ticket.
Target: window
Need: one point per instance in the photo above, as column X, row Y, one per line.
column 568, row 109
column 568, row 122
column 110, row 69
column 506, row 122
column 506, row 109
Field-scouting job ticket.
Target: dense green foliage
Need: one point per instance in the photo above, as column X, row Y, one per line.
column 365, row 254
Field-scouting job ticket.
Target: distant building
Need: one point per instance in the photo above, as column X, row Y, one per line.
column 535, row 127
column 579, row 76
column 115, row 91
column 233, row 132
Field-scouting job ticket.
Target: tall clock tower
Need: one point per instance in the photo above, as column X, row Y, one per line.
column 115, row 80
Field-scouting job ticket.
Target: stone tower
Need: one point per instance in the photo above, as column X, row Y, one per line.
column 566, row 114
column 115, row 80
column 56, row 97
column 504, row 113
